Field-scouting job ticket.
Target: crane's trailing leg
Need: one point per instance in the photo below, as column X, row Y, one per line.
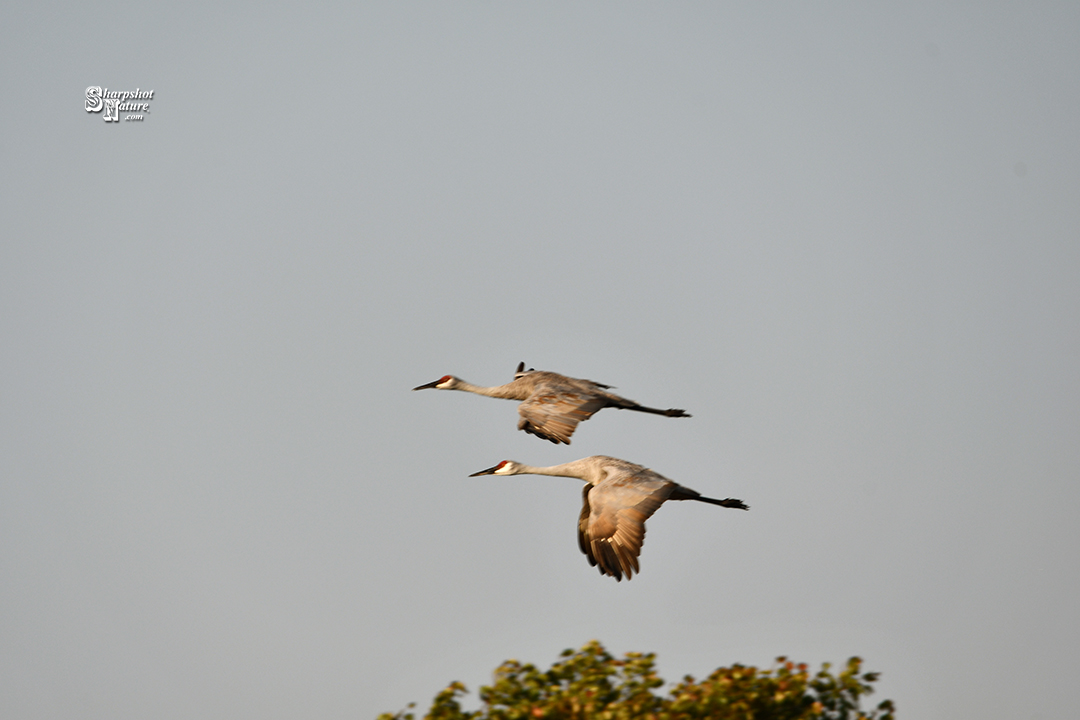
column 670, row 412
column 685, row 493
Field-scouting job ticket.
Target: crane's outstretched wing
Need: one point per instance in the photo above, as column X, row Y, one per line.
column 611, row 528
column 554, row 415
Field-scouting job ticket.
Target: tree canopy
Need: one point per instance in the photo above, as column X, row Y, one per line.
column 590, row 683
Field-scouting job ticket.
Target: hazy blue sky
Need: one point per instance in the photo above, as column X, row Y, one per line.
column 846, row 237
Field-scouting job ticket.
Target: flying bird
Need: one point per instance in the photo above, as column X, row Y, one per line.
column 553, row 404
column 618, row 498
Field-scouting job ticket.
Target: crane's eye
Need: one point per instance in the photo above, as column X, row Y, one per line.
column 445, row 378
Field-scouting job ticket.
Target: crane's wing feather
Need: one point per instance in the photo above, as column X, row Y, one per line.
column 611, row 528
column 554, row 415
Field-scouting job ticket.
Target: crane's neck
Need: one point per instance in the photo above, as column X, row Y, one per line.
column 579, row 469
column 510, row 391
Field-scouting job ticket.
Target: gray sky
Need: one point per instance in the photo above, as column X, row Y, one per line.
column 844, row 237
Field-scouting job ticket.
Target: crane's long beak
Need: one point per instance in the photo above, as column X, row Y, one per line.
column 489, row 471
column 429, row 385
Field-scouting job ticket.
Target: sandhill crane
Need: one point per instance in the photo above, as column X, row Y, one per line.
column 618, row 498
column 553, row 404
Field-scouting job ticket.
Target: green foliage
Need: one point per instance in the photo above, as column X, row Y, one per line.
column 590, row 684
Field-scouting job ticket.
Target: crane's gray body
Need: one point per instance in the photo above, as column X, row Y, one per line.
column 617, row 499
column 552, row 405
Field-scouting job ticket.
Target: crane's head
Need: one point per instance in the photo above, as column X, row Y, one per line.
column 446, row 382
column 506, row 467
